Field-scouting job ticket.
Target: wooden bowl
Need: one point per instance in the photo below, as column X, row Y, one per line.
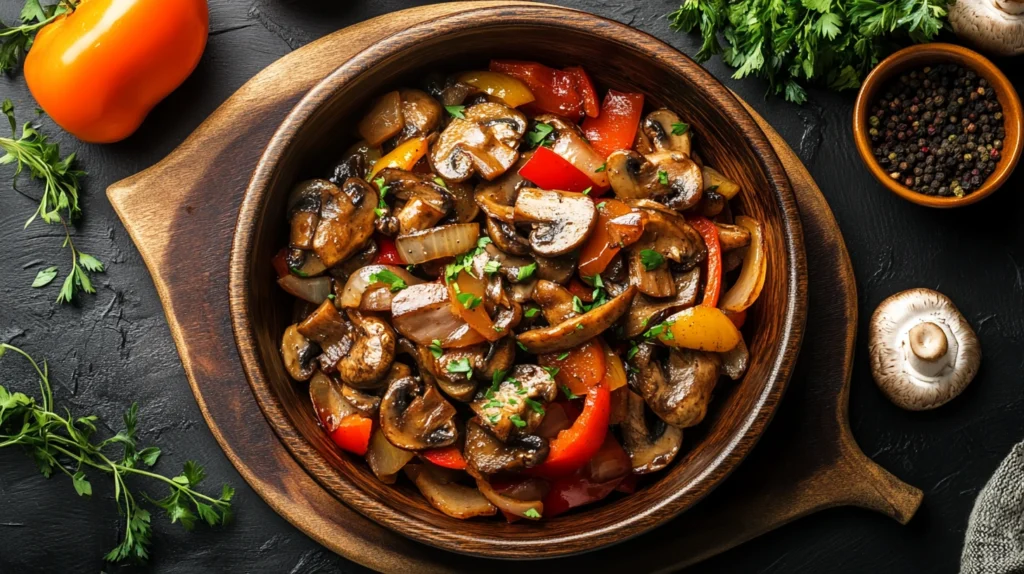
column 320, row 127
column 930, row 54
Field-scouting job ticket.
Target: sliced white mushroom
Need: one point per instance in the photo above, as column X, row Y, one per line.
column 923, row 352
column 650, row 448
column 561, row 220
column 996, row 26
column 661, row 127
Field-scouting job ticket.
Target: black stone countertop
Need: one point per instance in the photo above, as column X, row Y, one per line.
column 113, row 348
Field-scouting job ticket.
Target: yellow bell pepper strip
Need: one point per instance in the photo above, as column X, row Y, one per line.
column 502, row 86
column 701, row 328
column 404, row 156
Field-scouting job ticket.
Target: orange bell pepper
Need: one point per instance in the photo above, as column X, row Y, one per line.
column 404, row 156
column 467, row 295
column 99, row 70
column 502, row 86
column 580, row 368
column 576, row 445
column 700, row 328
column 709, row 233
column 447, row 457
column 600, row 249
column 353, row 434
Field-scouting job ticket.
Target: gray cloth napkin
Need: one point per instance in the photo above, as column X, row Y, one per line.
column 995, row 533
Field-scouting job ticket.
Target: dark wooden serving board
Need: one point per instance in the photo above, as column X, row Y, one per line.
column 181, row 214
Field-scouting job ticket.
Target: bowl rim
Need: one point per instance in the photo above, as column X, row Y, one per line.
column 750, row 427
column 939, row 52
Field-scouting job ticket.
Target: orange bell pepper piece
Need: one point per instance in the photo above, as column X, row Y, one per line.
column 353, row 434
column 447, row 457
column 600, row 248
column 404, row 156
column 578, row 369
column 99, row 70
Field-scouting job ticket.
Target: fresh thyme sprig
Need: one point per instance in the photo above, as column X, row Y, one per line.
column 15, row 41
column 59, row 203
column 65, row 444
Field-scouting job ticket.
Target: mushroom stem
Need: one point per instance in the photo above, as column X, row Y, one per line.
column 1013, row 7
column 932, row 349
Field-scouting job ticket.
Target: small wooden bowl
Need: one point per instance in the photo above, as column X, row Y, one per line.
column 320, row 127
column 930, row 54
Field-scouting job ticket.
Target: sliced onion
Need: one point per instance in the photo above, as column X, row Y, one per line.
column 578, row 152
column 328, row 402
column 452, row 499
column 423, row 313
column 312, row 289
column 437, row 242
column 358, row 282
column 384, row 121
column 510, row 505
column 386, row 459
column 755, row 266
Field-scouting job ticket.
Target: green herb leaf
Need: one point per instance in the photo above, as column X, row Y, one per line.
column 563, row 356
column 531, row 312
column 633, row 350
column 587, row 191
column 468, row 300
column 435, row 348
column 456, row 111
column 492, row 267
column 577, row 305
column 538, row 134
column 662, row 177
column 44, row 277
column 522, row 346
column 517, row 420
column 579, row 327
column 603, row 167
column 82, row 485
column 394, row 282
column 601, row 205
column 680, row 128
column 661, row 329
column 551, row 371
column 568, row 393
column 526, row 271
column 536, row 406
column 531, row 513
column 461, row 366
column 651, row 259
column 441, row 182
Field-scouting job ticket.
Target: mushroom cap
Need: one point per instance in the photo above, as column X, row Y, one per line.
column 923, row 352
column 995, row 26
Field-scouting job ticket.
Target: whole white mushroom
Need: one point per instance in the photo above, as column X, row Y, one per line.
column 995, row 26
column 923, row 352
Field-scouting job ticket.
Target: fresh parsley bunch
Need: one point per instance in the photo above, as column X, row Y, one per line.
column 792, row 43
column 59, row 442
column 33, row 152
column 15, row 41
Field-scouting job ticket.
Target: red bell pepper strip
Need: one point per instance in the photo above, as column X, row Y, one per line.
column 709, row 233
column 448, row 457
column 280, row 263
column 585, row 486
column 615, row 128
column 387, row 253
column 585, row 88
column 549, row 170
column 353, row 434
column 554, row 90
column 576, row 445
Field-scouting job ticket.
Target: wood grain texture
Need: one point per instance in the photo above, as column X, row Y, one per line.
column 806, row 461
column 617, row 57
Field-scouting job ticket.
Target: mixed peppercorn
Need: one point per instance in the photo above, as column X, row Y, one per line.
column 938, row 130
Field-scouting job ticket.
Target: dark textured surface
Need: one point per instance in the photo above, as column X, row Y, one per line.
column 115, row 346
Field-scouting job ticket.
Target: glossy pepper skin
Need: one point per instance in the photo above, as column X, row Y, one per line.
column 98, row 71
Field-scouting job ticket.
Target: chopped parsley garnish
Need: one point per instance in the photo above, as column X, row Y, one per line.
column 587, row 191
column 596, row 281
column 469, row 300
column 463, row 262
column 633, row 350
column 568, row 393
column 435, row 348
column 601, row 205
column 456, row 111
column 532, row 311
column 441, row 182
column 461, row 366
column 662, row 177
column 651, row 259
column 494, row 419
column 483, row 242
column 711, row 188
column 661, row 329
column 382, row 205
column 579, row 327
column 331, row 296
column 537, row 407
column 680, row 128
column 393, row 281
column 577, row 305
column 516, row 420
column 522, row 346
column 513, row 402
column 498, row 329
column 532, row 513
column 299, row 272
column 492, row 266
column 551, row 371
column 603, row 167
column 563, row 356
column 526, row 271
column 539, row 134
